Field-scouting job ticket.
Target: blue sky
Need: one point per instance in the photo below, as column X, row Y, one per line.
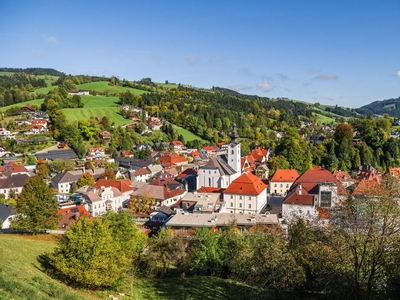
column 333, row 52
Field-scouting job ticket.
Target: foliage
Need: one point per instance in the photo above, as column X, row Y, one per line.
column 104, row 255
column 86, row 179
column 108, row 174
column 141, row 204
column 36, row 206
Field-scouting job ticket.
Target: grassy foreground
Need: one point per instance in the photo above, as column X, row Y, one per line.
column 21, row 277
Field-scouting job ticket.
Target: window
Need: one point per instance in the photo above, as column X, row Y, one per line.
column 287, row 185
column 249, row 205
column 240, row 205
column 215, row 172
column 281, row 185
column 240, row 197
column 249, row 198
column 209, row 181
column 231, row 196
column 231, row 204
column 275, row 185
column 233, row 152
column 326, row 199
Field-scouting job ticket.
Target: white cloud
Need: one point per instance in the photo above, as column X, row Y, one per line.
column 192, row 59
column 265, row 86
column 327, row 76
column 240, row 87
column 283, row 76
column 51, row 40
column 398, row 73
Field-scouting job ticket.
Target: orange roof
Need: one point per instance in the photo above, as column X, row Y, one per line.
column 194, row 154
column 172, row 158
column 211, row 148
column 285, row 175
column 246, row 184
column 177, row 143
column 259, row 152
column 369, row 188
column 342, row 176
column 209, row 189
column 141, row 171
column 122, row 185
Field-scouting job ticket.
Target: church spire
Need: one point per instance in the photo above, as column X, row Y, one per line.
column 234, row 135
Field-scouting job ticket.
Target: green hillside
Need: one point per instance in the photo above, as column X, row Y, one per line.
column 102, row 86
column 22, row 277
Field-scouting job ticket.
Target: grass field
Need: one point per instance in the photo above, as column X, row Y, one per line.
column 187, row 135
column 22, row 277
column 37, row 102
column 75, row 114
column 101, row 86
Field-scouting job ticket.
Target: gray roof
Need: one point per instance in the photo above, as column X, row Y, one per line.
column 219, row 163
column 133, row 163
column 54, row 154
column 5, row 212
column 14, row 181
column 67, row 176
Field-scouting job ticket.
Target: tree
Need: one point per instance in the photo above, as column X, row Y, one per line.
column 365, row 233
column 36, row 206
column 97, row 253
column 108, row 174
column 42, row 169
column 86, row 179
column 141, row 204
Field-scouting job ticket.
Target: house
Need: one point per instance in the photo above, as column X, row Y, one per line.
column 282, row 180
column 142, row 175
column 71, row 214
column 40, row 122
column 21, row 122
column 161, row 216
column 78, row 92
column 176, row 145
column 13, row 168
column 127, row 153
column 36, row 129
column 165, row 191
column 211, row 150
column 133, row 163
column 97, row 201
column 261, row 155
column 124, row 186
column 154, row 123
column 169, row 159
column 143, row 146
column 200, row 203
column 311, row 193
column 65, row 181
column 187, row 223
column 221, row 170
column 5, row 216
column 12, row 185
column 27, row 109
column 105, row 135
column 247, row 194
column 344, row 178
column 94, row 153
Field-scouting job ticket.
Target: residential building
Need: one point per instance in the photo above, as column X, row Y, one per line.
column 201, row 203
column 311, row 193
column 13, row 185
column 97, row 201
column 247, row 194
column 65, row 181
column 142, row 175
column 282, row 180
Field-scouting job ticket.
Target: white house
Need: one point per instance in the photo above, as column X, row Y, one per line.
column 99, row 201
column 246, row 194
column 282, row 180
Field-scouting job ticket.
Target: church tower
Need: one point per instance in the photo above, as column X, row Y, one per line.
column 234, row 150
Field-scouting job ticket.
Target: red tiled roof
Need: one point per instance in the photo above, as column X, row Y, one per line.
column 310, row 179
column 259, row 152
column 194, row 154
column 172, row 158
column 285, row 175
column 342, row 176
column 208, row 189
column 300, row 197
column 247, row 184
column 369, row 188
column 177, row 143
column 211, row 148
column 141, row 171
column 122, row 185
column 13, row 168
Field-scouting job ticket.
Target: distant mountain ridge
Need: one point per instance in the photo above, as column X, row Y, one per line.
column 380, row 107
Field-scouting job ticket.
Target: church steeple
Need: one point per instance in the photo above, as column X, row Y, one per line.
column 234, row 150
column 234, row 135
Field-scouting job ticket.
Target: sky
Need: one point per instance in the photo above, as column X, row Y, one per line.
column 344, row 53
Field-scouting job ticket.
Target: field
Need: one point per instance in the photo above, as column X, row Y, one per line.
column 37, row 102
column 102, row 86
column 21, row 277
column 187, row 135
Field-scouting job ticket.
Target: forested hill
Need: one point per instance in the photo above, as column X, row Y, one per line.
column 34, row 71
column 380, row 107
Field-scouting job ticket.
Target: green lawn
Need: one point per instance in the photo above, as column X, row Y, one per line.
column 22, row 277
column 101, row 86
column 76, row 114
column 37, row 102
column 6, row 73
column 187, row 135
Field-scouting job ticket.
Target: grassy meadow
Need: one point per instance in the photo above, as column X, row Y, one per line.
column 102, row 86
column 187, row 135
column 23, row 277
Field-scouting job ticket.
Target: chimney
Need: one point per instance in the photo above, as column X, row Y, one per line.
column 300, row 189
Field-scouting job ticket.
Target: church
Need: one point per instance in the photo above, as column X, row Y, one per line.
column 221, row 170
